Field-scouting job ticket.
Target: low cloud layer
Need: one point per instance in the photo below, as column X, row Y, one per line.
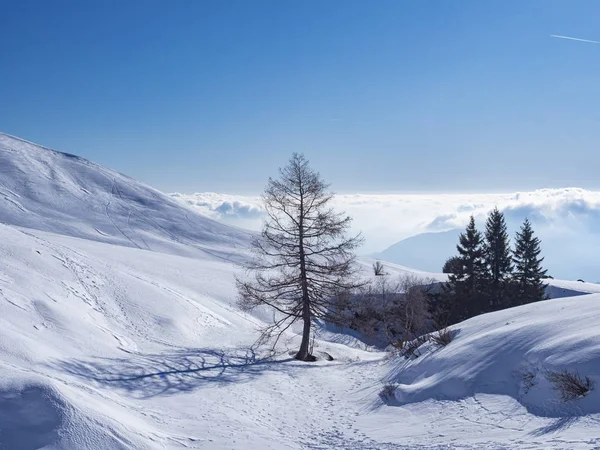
column 569, row 218
column 240, row 211
column 552, row 207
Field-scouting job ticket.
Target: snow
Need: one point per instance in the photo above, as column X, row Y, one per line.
column 490, row 351
column 479, row 377
column 554, row 289
column 119, row 330
column 47, row 190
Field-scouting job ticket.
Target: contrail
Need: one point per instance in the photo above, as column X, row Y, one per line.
column 574, row 39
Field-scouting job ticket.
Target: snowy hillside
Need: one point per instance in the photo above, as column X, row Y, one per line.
column 490, row 353
column 554, row 288
column 71, row 307
column 119, row 330
column 496, row 372
column 51, row 191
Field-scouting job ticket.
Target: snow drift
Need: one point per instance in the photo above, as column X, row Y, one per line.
column 511, row 353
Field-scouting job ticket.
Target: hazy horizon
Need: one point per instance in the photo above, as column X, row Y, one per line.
column 567, row 220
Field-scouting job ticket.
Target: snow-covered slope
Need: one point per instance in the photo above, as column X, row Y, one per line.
column 69, row 307
column 495, row 372
column 490, row 353
column 51, row 191
column 110, row 343
column 554, row 288
column 113, row 347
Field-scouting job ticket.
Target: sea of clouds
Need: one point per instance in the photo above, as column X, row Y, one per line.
column 567, row 219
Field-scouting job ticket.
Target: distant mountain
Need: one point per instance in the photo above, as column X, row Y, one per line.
column 47, row 190
column 426, row 251
column 566, row 256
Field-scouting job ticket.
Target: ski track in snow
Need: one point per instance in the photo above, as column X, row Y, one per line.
column 108, row 204
column 88, row 289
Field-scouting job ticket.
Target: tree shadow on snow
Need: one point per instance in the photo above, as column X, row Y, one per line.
column 560, row 424
column 165, row 374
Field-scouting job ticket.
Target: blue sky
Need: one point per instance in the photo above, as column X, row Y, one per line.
column 398, row 95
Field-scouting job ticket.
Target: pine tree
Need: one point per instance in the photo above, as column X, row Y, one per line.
column 452, row 265
column 463, row 292
column 529, row 274
column 497, row 259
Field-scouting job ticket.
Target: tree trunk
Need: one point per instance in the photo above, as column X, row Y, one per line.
column 304, row 354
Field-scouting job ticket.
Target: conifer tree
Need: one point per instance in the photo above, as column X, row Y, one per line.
column 463, row 292
column 497, row 259
column 452, row 265
column 529, row 274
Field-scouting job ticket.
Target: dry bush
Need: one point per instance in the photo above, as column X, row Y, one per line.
column 408, row 319
column 527, row 375
column 389, row 311
column 378, row 269
column 388, row 392
column 528, row 379
column 442, row 337
column 415, row 307
column 570, row 385
column 410, row 349
column 365, row 309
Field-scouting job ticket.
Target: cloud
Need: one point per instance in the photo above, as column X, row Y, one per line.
column 569, row 215
column 239, row 209
column 521, row 212
column 566, row 220
column 444, row 222
column 543, row 206
column 244, row 211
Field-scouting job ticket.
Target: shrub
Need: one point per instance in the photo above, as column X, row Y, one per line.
column 411, row 348
column 570, row 385
column 442, row 337
column 387, row 310
column 388, row 392
column 528, row 379
column 378, row 269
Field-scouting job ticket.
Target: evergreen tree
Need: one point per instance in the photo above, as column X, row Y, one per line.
column 529, row 274
column 462, row 295
column 497, row 259
column 452, row 265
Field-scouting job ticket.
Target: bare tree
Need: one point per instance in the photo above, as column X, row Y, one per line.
column 414, row 312
column 378, row 269
column 391, row 310
column 304, row 258
column 407, row 319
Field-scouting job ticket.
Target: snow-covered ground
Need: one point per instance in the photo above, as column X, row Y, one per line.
column 47, row 190
column 119, row 330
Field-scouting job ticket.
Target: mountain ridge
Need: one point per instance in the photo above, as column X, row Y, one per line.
column 49, row 190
